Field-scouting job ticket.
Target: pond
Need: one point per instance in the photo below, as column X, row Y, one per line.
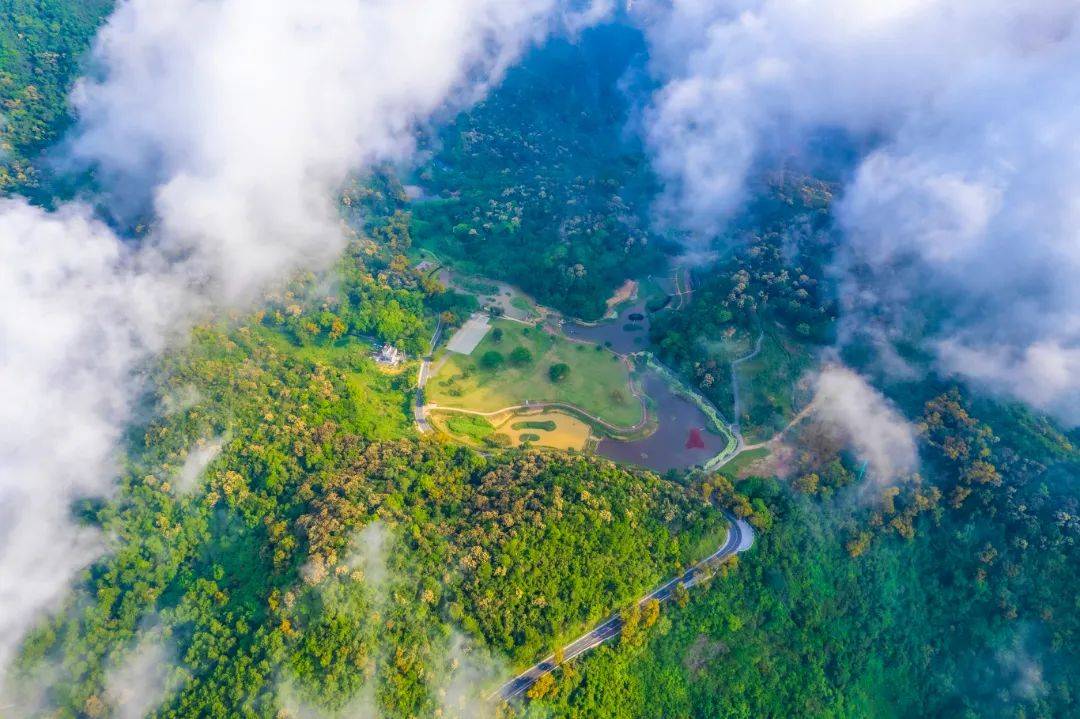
column 682, row 439
column 628, row 332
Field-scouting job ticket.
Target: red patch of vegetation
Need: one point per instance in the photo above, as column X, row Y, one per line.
column 694, row 441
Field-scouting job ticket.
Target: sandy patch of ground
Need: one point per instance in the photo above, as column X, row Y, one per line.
column 627, row 291
column 569, row 432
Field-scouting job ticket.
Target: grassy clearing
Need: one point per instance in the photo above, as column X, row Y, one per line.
column 743, row 460
column 598, row 382
column 767, row 385
column 523, row 304
column 478, row 287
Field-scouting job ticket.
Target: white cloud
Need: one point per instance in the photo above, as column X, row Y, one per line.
column 140, row 682
column 876, row 431
column 368, row 552
column 964, row 200
column 469, row 677
column 978, row 218
column 198, row 459
column 78, row 312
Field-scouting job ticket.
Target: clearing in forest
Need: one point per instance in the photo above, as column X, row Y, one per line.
column 767, row 386
column 513, row 365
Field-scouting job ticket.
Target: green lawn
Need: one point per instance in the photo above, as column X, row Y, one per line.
column 477, row 428
column 743, row 460
column 767, row 385
column 598, row 381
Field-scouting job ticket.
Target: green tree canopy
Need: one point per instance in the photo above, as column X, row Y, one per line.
column 491, row 360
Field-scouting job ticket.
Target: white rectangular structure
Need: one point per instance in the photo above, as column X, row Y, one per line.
column 471, row 333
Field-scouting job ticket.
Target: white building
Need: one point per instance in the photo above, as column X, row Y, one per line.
column 389, row 355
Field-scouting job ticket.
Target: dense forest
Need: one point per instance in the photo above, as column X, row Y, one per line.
column 537, row 185
column 967, row 610
column 42, row 45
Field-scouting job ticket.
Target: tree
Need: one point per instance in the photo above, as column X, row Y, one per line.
column 497, row 335
column 650, row 613
column 542, row 688
column 682, row 595
column 858, row 544
column 631, row 629
column 558, row 372
column 808, row 483
column 491, row 360
column 520, row 357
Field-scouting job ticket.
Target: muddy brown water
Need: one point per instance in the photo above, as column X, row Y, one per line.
column 666, row 448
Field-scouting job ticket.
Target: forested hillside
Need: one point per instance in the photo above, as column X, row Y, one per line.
column 965, row 607
column 42, row 43
column 282, row 537
column 538, row 185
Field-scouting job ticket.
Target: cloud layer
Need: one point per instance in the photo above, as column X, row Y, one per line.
column 78, row 312
column 231, row 123
column 876, row 431
column 963, row 205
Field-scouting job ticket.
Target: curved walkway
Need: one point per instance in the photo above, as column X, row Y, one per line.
column 739, row 539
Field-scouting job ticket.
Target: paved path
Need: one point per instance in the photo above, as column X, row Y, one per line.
column 423, row 375
column 739, row 539
column 741, row 445
column 683, row 290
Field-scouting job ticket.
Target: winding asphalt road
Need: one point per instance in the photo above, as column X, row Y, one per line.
column 739, row 539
